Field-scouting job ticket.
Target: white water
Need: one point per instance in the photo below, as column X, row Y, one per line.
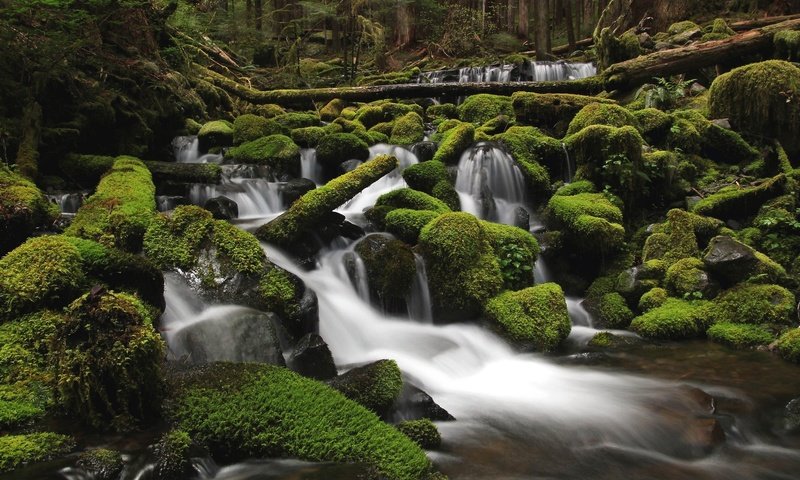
column 528, row 71
column 309, row 167
column 187, row 150
column 256, row 197
column 67, row 202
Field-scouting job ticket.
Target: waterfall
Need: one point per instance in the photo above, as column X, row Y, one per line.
column 67, row 202
column 310, row 169
column 419, row 302
column 568, row 173
column 256, row 197
column 490, row 184
column 556, row 71
column 187, row 150
column 526, row 72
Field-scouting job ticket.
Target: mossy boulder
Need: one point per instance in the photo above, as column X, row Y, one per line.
column 339, row 147
column 759, row 98
column 788, row 345
column 391, row 268
column 121, row 209
column 407, row 130
column 613, row 311
column 462, row 268
column 442, row 111
column 309, row 137
column 413, row 199
column 687, row 277
column 732, row 262
column 612, row 49
column 739, row 336
column 534, row 318
column 218, row 133
column 653, row 124
column 332, row 110
column 20, row 450
column 23, row 209
column 787, row 45
column 85, row 170
column 673, row 320
column 481, row 108
column 682, row 27
column 423, row 432
column 456, row 140
column 740, row 202
column 249, row 127
column 370, row 115
column 653, row 298
column 108, row 362
column 432, row 178
column 173, row 456
column 591, row 221
column 681, row 236
column 550, row 111
column 278, row 152
column 754, row 304
column 292, row 120
column 602, row 114
column 375, row 386
column 220, row 406
column 538, row 156
column 406, row 223
column 101, row 463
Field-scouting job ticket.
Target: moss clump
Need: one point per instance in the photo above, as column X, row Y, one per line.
column 536, row 154
column 249, row 127
column 739, row 336
column 462, row 268
column 456, row 140
column 574, row 188
column 406, row 224
column 121, row 209
column 653, row 298
column 23, row 208
column 294, row 120
column 393, row 110
column 789, row 345
column 674, row 320
column 740, row 202
column 687, row 277
column 309, row 137
column 760, row 98
column 390, row 267
column 172, row 454
column 425, row 176
column 101, row 463
column 374, row 386
column 591, row 220
column 516, row 250
column 19, row 450
column 407, row 130
column 412, row 199
column 222, row 405
column 602, row 114
column 423, row 432
column 612, row 49
column 614, row 311
column 332, row 110
column 44, row 271
column 787, row 45
column 534, row 318
column 442, row 111
column 754, row 304
column 481, row 108
column 653, row 124
column 682, row 27
column 277, row 151
column 338, row 147
column 218, row 133
column 369, row 115
column 679, row 237
column 549, row 110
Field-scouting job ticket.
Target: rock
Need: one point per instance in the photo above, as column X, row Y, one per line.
column 222, row 208
column 791, row 416
column 686, row 37
column 173, row 454
column 522, row 218
column 413, row 403
column 635, row 282
column 312, row 358
column 703, row 434
column 101, row 464
column 296, row 188
column 391, row 269
column 696, row 89
column 722, row 122
column 663, row 46
column 424, row 150
column 729, row 260
column 375, row 385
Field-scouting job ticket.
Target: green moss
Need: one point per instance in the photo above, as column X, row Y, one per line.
column 172, row 454
column 739, row 202
column 308, row 137
column 720, row 26
column 614, row 311
column 593, row 223
column 679, row 237
column 413, row 199
column 653, row 124
column 192, row 126
column 294, row 120
column 218, row 133
column 277, row 151
column 456, row 140
column 384, row 127
column 687, row 277
column 393, row 110
column 370, row 115
column 442, row 111
column 787, row 45
column 332, row 110
column 223, row 405
column 374, row 386
column 422, row 432
column 249, row 127
column 536, row 154
column 612, row 49
column 789, row 345
column 174, row 242
column 535, row 317
column 268, row 110
column 101, row 463
column 653, row 298
column 407, row 130
column 121, row 209
column 602, row 114
column 516, row 250
column 19, row 450
column 462, row 269
column 406, row 224
column 338, row 147
column 481, row 108
column 682, row 27
column 547, row 110
column 574, row 188
column 673, row 320
column 390, row 267
column 44, row 271
column 424, row 176
column 754, row 304
column 754, row 98
column 739, row 336
column 85, row 170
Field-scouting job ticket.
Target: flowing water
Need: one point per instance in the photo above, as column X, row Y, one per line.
column 528, row 71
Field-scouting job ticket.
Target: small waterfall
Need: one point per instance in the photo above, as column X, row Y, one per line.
column 187, row 150
column 361, row 280
column 67, row 202
column 310, row 169
column 556, row 71
column 419, row 303
column 256, row 197
column 569, row 173
column 498, row 73
column 528, row 71
column 490, row 184
column 391, row 181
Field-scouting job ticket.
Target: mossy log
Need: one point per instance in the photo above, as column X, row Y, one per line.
column 184, row 172
column 634, row 72
column 305, row 98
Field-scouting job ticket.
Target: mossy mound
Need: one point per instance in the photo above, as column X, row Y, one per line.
column 332, row 110
column 423, row 432
column 278, row 152
column 294, row 120
column 456, row 140
column 602, row 114
column 687, row 277
column 432, row 178
column 682, row 27
column 412, row 199
column 19, row 450
column 516, row 251
column 591, row 221
column 481, row 108
column 221, row 405
column 309, row 137
column 121, row 209
column 101, row 463
column 673, row 320
column 443, row 111
column 789, row 345
column 338, row 147
column 787, row 45
column 406, row 223
column 754, row 98
column 653, row 298
column 612, row 49
column 23, row 209
column 370, row 115
column 218, row 133
column 407, row 130
column 85, row 170
column 173, row 456
column 653, row 124
column 108, row 359
column 574, row 188
column 754, row 304
column 550, row 111
column 249, row 127
column 375, row 386
column 534, row 318
column 391, row 269
column 613, row 311
column 462, row 269
column 739, row 336
column 740, row 202
column 681, row 236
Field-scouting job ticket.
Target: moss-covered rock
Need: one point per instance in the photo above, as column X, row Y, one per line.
column 101, row 463
column 375, row 386
column 788, row 345
column 653, row 124
column 278, row 152
column 534, row 318
column 294, row 120
column 687, row 277
column 370, row 115
column 413, row 199
column 674, row 320
column 679, row 237
column 758, row 98
column 121, row 209
column 602, row 114
column 108, row 359
column 682, row 27
column 19, row 450
column 537, row 155
column 613, row 311
column 249, row 127
column 309, row 137
column 23, row 209
column 85, row 170
column 390, row 267
column 612, row 49
column 787, row 45
column 456, row 140
column 550, row 111
column 732, row 262
column 481, row 108
column 172, row 452
column 462, row 268
column 754, row 304
column 406, row 223
column 218, row 133
column 221, row 405
column 338, row 147
column 653, row 298
column 332, row 110
column 442, row 111
column 591, row 221
column 407, row 130
column 516, row 250
column 740, row 202
column 423, row 432
column 739, row 336
column 424, row 176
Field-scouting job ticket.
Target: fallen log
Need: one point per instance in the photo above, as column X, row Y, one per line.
column 306, row 98
column 761, row 22
column 174, row 172
column 637, row 71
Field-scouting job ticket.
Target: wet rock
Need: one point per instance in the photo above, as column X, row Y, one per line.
column 522, row 218
column 791, row 416
column 101, row 464
column 390, row 267
column 222, row 208
column 413, row 404
column 687, row 36
column 350, row 165
column 730, row 261
column 375, row 385
column 703, row 434
column 296, row 188
column 312, row 358
column 635, row 281
column 424, row 150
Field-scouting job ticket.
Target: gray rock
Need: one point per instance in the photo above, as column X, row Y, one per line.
column 312, row 358
column 522, row 218
column 424, row 150
column 791, row 416
column 722, row 122
column 296, row 188
column 687, row 36
column 729, row 260
column 222, row 208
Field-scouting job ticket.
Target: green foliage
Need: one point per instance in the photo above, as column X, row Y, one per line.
column 479, row 109
column 516, row 250
column 673, row 320
column 277, row 151
column 172, row 454
column 666, row 94
column 423, row 432
column 534, row 318
column 789, row 345
column 739, row 336
column 19, row 450
column 512, row 264
column 222, row 405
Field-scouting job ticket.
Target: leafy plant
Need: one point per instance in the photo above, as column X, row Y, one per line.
column 514, row 263
column 666, row 93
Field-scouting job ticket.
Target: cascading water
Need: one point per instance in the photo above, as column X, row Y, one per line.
column 310, row 168
column 525, row 72
column 557, row 71
column 490, row 184
column 256, row 197
column 420, row 307
column 569, row 171
column 187, row 150
column 68, row 203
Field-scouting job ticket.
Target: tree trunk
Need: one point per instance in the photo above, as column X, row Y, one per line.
column 522, row 22
column 28, row 151
column 510, row 16
column 570, row 25
column 403, row 29
column 258, row 12
column 542, row 30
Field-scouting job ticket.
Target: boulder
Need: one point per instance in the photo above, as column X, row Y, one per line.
column 312, row 358
column 376, row 385
column 222, row 208
column 296, row 188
